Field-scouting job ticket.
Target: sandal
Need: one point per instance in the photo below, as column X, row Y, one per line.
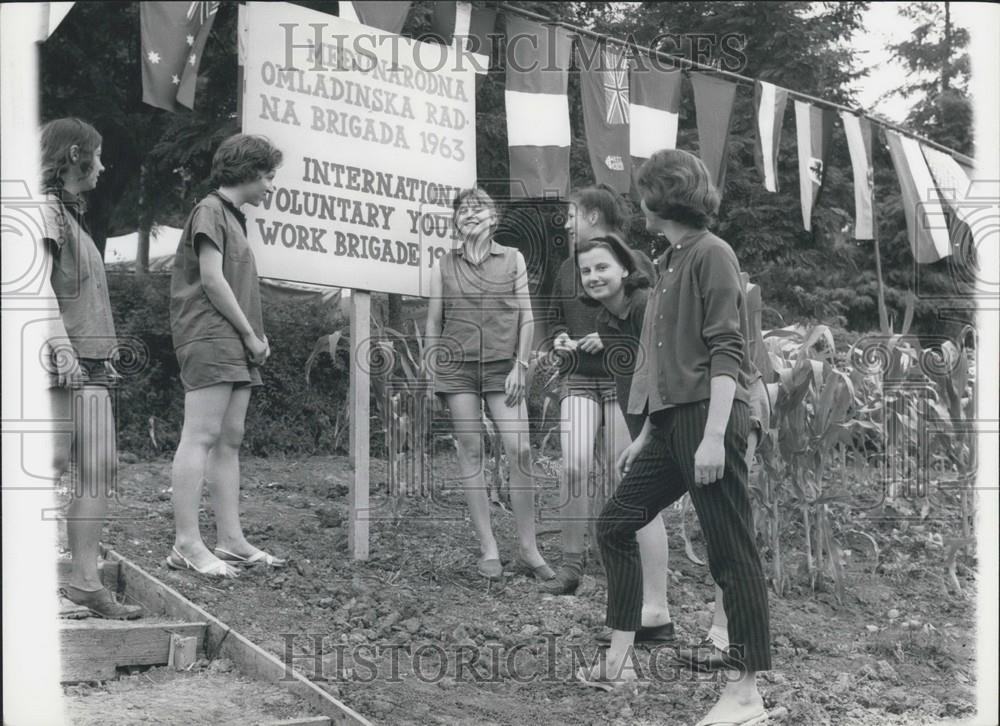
column 490, row 569
column 603, row 681
column 542, row 572
column 176, row 561
column 258, row 557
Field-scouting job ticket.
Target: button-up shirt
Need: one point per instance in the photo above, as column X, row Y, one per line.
column 694, row 328
column 621, row 336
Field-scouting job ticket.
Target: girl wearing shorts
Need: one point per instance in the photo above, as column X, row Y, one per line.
column 218, row 335
column 81, row 353
column 479, row 335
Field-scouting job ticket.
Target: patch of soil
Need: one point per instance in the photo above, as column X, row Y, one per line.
column 415, row 636
column 209, row 694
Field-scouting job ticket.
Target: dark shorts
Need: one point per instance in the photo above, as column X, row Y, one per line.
column 96, row 372
column 219, row 360
column 473, row 377
column 598, row 390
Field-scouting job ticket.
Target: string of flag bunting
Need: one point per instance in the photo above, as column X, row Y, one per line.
column 627, row 115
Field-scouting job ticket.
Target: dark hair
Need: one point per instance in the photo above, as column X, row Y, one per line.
column 243, row 158
column 626, row 258
column 58, row 137
column 675, row 185
column 614, row 210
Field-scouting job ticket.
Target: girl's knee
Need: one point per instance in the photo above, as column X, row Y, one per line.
column 231, row 434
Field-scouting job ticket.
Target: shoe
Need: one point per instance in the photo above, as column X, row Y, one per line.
column 653, row 635
column 490, row 569
column 176, row 561
column 565, row 582
column 603, row 681
column 542, row 572
column 258, row 557
column 756, row 720
column 101, row 603
column 704, row 657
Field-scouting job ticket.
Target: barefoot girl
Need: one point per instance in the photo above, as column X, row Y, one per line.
column 479, row 336
column 218, row 335
column 693, row 391
column 81, row 355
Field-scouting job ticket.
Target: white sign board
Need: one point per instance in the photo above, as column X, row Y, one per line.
column 377, row 132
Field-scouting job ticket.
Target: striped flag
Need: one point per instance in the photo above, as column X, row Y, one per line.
column 859, row 142
column 954, row 186
column 769, row 111
column 814, row 128
column 713, row 102
column 605, row 94
column 460, row 23
column 654, row 105
column 921, row 203
column 538, row 133
column 172, row 37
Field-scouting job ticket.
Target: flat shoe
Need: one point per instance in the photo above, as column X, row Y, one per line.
column 101, row 603
column 754, row 720
column 258, row 557
column 176, row 561
column 564, row 583
column 587, row 678
column 703, row 658
column 542, row 572
column 490, row 569
column 653, row 635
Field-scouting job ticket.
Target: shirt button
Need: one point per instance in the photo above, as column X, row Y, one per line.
column 670, row 269
column 661, row 317
column 660, row 344
column 663, row 290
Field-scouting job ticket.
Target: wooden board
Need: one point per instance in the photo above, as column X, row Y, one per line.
column 221, row 640
column 360, row 397
column 92, row 649
column 304, row 721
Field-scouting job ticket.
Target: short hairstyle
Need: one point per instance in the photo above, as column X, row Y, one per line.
column 675, row 185
column 243, row 158
column 475, row 193
column 626, row 258
column 58, row 137
column 614, row 210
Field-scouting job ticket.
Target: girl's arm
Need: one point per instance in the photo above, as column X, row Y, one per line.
column 526, row 320
column 220, row 294
column 435, row 315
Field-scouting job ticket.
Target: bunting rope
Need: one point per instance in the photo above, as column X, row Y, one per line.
column 685, row 64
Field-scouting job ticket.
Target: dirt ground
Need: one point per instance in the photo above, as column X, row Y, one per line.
column 414, row 636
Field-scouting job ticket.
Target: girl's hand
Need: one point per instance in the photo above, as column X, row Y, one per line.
column 591, row 343
column 514, row 386
column 267, row 353
column 709, row 459
column 256, row 348
column 563, row 343
column 69, row 372
column 628, row 456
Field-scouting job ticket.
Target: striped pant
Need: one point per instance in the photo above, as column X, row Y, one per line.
column 660, row 475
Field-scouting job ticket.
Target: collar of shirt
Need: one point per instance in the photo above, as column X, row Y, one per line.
column 74, row 204
column 635, row 300
column 495, row 249
column 688, row 240
column 232, row 208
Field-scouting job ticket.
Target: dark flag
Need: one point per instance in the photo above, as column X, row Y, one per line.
column 387, row 15
column 713, row 102
column 605, row 94
column 172, row 37
column 813, row 128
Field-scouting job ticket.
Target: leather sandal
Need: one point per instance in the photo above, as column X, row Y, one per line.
column 258, row 557
column 176, row 561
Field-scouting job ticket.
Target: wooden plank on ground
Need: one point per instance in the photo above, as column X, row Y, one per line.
column 92, row 649
column 221, row 640
column 108, row 570
column 302, row 721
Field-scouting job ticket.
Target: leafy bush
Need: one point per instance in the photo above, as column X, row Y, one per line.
column 286, row 416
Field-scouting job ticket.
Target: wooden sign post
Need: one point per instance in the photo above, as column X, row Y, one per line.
column 359, row 397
